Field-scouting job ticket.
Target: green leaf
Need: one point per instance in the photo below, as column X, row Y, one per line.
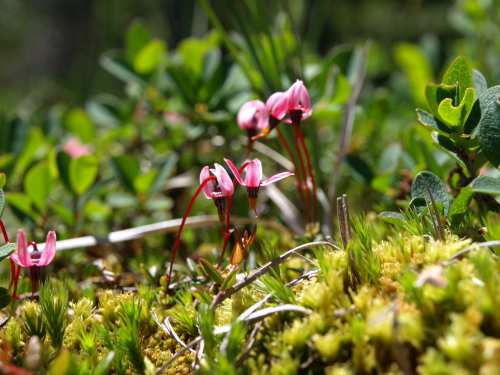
column 480, row 83
column 127, row 169
column 22, row 203
column 3, row 180
column 435, row 94
column 6, row 250
column 4, row 297
column 82, row 173
column 459, row 73
column 427, row 119
column 119, row 69
column 395, row 218
column 211, row 272
column 460, row 204
column 416, row 67
column 486, row 185
column 143, row 182
column 137, row 37
column 38, row 185
column 427, row 182
column 455, row 116
column 63, row 160
column 489, row 125
column 149, row 57
column 2, row 202
column 78, row 122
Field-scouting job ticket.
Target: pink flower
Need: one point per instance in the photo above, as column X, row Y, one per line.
column 221, row 187
column 26, row 259
column 277, row 105
column 253, row 178
column 253, row 117
column 74, row 148
column 299, row 102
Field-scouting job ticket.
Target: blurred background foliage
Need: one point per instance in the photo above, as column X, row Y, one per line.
column 153, row 87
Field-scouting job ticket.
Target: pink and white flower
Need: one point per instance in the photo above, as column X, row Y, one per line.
column 27, row 256
column 74, row 148
column 253, row 117
column 221, row 186
column 299, row 101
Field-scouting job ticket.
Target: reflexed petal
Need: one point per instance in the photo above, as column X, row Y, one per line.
column 277, row 105
column 253, row 173
column 276, row 178
column 22, row 256
column 225, row 183
column 49, row 252
column 209, row 188
column 234, row 171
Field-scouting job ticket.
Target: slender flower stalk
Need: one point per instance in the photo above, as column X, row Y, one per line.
column 13, row 267
column 215, row 184
column 28, row 256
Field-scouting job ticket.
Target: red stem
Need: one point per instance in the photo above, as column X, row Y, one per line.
column 4, row 231
column 296, row 134
column 14, row 270
column 288, row 149
column 183, row 222
column 311, row 170
column 228, row 225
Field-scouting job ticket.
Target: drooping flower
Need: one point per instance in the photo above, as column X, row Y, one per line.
column 253, row 117
column 221, row 186
column 299, row 102
column 27, row 256
column 277, row 105
column 74, row 148
column 253, row 179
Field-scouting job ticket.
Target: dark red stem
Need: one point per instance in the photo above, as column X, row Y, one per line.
column 288, row 149
column 177, row 242
column 296, row 134
column 311, row 170
column 227, row 234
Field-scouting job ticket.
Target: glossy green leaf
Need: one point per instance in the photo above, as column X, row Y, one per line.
column 149, row 57
column 426, row 183
column 38, row 185
column 4, row 297
column 455, row 116
column 460, row 204
column 436, row 93
column 136, row 39
column 427, row 119
column 127, row 169
column 6, row 250
column 459, row 73
column 486, row 185
column 489, row 125
column 63, row 160
column 78, row 122
column 82, row 173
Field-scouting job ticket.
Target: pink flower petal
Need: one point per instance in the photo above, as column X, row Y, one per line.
column 276, row 178
column 74, row 148
column 225, row 183
column 49, row 252
column 234, row 171
column 22, row 256
column 253, row 116
column 253, row 174
column 277, row 105
column 299, row 99
column 208, row 190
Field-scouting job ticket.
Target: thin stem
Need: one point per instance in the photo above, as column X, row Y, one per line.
column 227, row 235
column 311, row 170
column 4, row 231
column 288, row 149
column 296, row 135
column 184, row 218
